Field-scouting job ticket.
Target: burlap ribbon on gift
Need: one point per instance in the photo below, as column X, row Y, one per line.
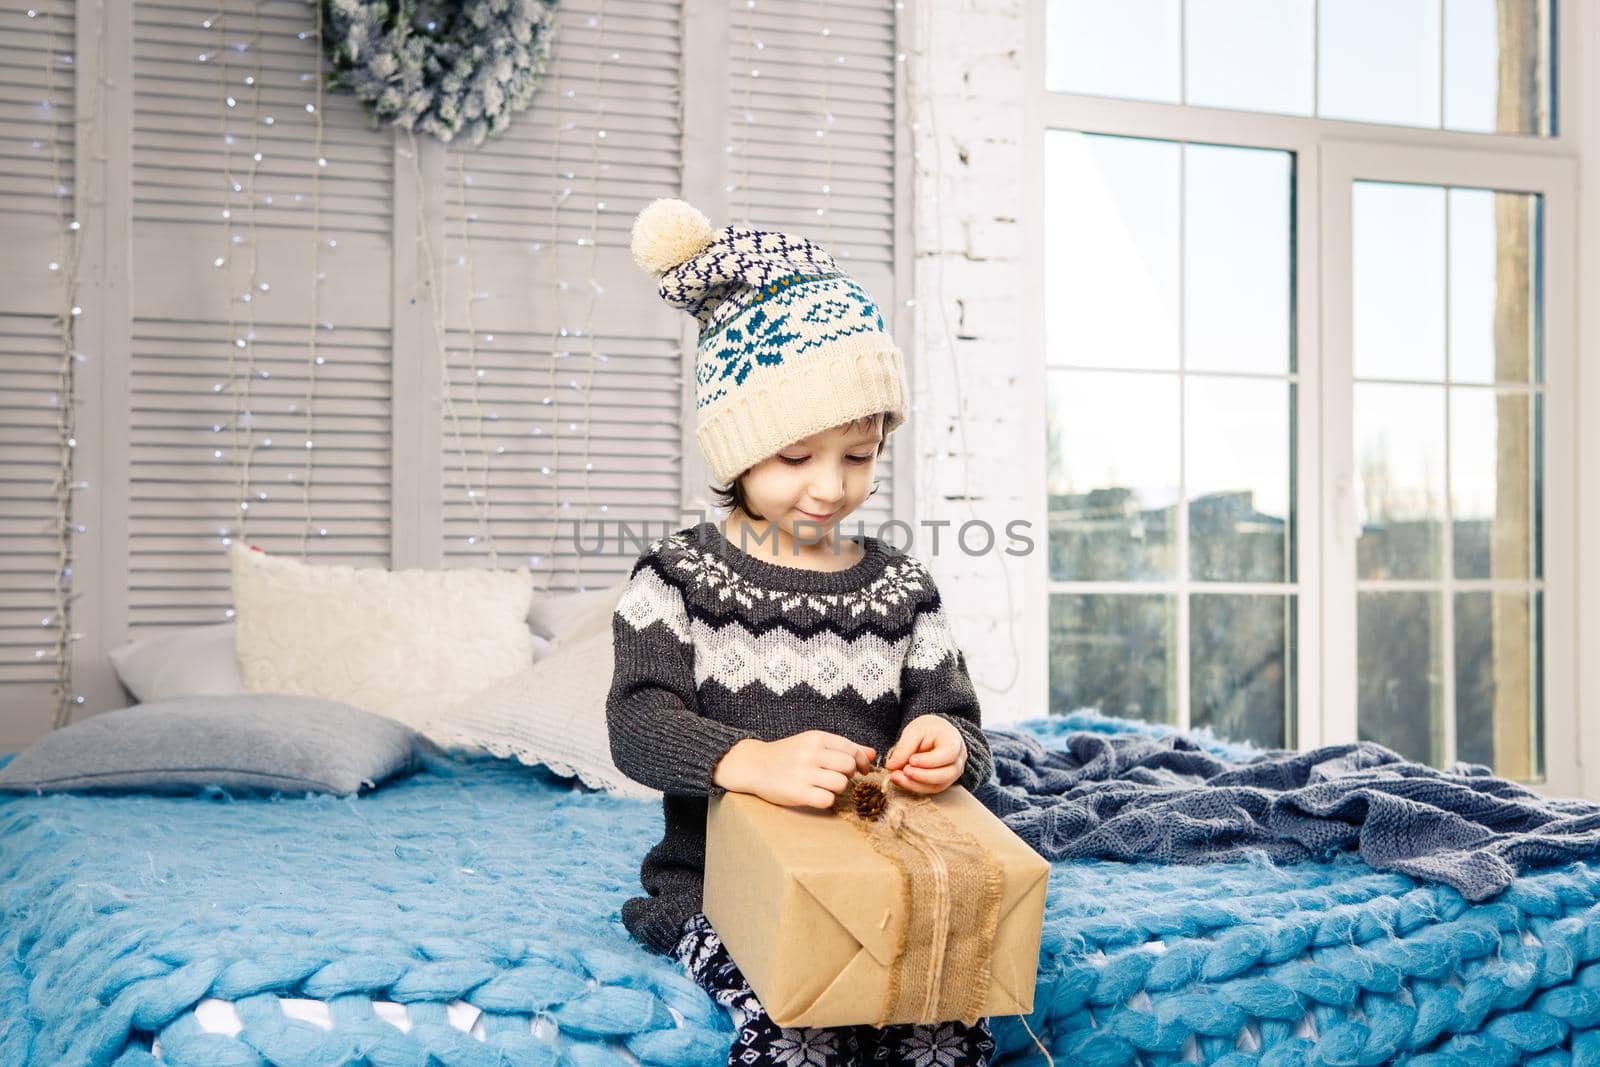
column 950, row 889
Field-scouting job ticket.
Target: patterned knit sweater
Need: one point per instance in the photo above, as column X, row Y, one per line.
column 715, row 644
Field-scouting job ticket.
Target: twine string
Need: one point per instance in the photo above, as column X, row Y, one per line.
column 938, row 901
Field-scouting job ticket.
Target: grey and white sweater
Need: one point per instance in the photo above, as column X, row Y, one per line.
column 715, row 644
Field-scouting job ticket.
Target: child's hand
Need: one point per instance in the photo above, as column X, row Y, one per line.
column 929, row 757
column 808, row 769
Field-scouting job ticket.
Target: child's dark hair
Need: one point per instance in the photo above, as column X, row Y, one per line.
column 732, row 495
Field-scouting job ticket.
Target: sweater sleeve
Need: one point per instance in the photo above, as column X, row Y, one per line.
column 658, row 735
column 934, row 681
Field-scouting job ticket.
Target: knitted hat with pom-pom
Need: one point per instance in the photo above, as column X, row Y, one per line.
column 789, row 344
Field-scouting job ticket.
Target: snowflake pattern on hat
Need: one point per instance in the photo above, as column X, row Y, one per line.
column 790, row 317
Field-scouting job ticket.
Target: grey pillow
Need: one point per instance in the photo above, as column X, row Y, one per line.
column 245, row 742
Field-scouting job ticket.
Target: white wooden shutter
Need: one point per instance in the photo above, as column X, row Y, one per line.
column 37, row 148
column 417, row 455
column 191, row 377
column 547, row 431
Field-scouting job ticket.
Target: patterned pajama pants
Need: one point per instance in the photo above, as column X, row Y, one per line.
column 762, row 1043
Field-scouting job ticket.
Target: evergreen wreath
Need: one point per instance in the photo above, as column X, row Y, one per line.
column 447, row 67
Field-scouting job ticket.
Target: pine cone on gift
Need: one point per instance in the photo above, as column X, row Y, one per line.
column 869, row 798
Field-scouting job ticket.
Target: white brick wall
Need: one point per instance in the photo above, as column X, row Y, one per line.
column 966, row 93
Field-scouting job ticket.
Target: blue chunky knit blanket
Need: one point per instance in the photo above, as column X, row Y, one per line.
column 483, row 883
column 1145, row 797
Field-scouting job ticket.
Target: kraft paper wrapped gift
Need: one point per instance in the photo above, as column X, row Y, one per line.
column 930, row 912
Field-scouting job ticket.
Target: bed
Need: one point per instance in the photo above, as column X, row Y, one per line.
column 468, row 914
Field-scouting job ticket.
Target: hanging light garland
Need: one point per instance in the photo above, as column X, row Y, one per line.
column 244, row 439
column 823, row 132
column 558, row 331
column 751, row 47
column 474, row 372
column 559, row 342
column 69, row 245
column 478, row 489
column 596, row 290
column 436, row 317
column 313, row 358
column 241, row 339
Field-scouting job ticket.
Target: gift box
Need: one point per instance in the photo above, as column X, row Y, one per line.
column 889, row 907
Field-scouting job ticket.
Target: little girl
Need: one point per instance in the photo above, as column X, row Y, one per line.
column 767, row 654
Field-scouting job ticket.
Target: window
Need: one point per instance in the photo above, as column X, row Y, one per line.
column 1448, row 413
column 1308, row 438
column 1170, row 383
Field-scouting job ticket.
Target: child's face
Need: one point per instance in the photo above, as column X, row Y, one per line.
column 818, row 480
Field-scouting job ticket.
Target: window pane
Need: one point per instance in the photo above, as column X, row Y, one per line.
column 1253, row 55
column 1483, row 66
column 1494, row 497
column 1128, row 49
column 1241, row 667
column 1400, row 493
column 1399, row 667
column 1114, row 653
column 1238, row 259
column 1397, row 254
column 1494, row 300
column 1240, row 494
column 1495, row 83
column 1379, row 61
column 1112, row 469
column 1111, row 260
column 1499, row 713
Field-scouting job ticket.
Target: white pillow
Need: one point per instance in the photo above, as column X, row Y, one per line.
column 193, row 661
column 593, row 612
column 399, row 643
column 554, row 712
column 553, row 614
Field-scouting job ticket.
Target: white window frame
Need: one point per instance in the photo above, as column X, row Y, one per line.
column 1553, row 177
column 1326, row 152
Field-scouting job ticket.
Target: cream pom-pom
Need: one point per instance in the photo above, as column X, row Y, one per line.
column 667, row 232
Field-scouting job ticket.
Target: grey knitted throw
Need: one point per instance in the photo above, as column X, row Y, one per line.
column 715, row 644
column 1135, row 797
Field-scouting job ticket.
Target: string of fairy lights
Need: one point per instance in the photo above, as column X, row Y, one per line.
column 478, row 489
column 475, row 373
column 65, row 266
column 318, row 276
column 827, row 146
column 557, row 201
column 244, row 441
column 595, row 289
column 751, row 47
column 240, row 339
column 558, row 341
column 436, row 317
column 823, row 132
